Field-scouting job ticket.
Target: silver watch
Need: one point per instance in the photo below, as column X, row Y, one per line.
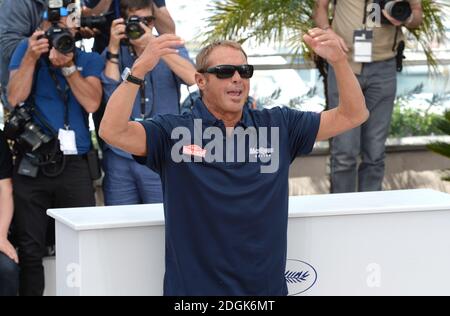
column 68, row 71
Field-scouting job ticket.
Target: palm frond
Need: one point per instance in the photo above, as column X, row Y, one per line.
column 285, row 21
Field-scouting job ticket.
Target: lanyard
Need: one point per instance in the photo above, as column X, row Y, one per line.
column 64, row 94
column 143, row 100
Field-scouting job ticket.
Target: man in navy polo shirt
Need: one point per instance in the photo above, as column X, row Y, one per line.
column 226, row 207
column 67, row 87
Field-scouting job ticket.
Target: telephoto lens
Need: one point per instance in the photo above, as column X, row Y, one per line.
column 400, row 11
column 94, row 22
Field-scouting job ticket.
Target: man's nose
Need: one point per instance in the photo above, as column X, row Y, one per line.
column 236, row 77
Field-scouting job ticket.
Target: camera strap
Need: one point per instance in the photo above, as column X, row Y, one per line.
column 64, row 94
column 142, row 90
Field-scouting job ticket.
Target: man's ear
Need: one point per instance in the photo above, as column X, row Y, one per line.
column 200, row 80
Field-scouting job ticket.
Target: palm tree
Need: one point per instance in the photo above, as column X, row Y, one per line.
column 284, row 21
column 280, row 20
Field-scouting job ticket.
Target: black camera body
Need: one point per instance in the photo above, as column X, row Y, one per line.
column 61, row 39
column 400, row 10
column 133, row 28
column 21, row 128
column 58, row 37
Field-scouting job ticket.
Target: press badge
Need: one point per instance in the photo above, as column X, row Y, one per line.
column 363, row 44
column 67, row 141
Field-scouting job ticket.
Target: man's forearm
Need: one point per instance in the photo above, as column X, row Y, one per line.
column 21, row 82
column 6, row 207
column 88, row 95
column 101, row 8
column 164, row 23
column 119, row 109
column 321, row 14
column 351, row 99
column 181, row 67
column 112, row 70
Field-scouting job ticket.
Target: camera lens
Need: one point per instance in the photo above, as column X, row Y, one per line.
column 134, row 30
column 64, row 43
column 400, row 11
column 61, row 39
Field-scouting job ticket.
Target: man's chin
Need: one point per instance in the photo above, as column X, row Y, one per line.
column 235, row 106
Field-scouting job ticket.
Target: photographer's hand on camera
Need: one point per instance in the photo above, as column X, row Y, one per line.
column 21, row 80
column 392, row 20
column 86, row 32
column 37, row 46
column 141, row 43
column 117, row 34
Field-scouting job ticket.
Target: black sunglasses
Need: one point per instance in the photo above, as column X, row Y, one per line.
column 147, row 20
column 228, row 71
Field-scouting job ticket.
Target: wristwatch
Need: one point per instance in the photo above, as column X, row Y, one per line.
column 127, row 76
column 68, row 71
column 110, row 55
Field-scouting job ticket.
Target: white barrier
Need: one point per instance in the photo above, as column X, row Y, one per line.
column 380, row 243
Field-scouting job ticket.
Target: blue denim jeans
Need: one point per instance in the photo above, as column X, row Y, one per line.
column 9, row 276
column 128, row 183
column 378, row 81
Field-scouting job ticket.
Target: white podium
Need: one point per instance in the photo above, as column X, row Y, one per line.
column 380, row 243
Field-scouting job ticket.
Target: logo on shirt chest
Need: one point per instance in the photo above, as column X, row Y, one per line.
column 194, row 150
column 262, row 152
column 239, row 145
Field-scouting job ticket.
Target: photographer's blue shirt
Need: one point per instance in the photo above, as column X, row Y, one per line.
column 226, row 222
column 49, row 101
column 162, row 89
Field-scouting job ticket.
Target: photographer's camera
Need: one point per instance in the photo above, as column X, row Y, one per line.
column 399, row 10
column 24, row 131
column 59, row 37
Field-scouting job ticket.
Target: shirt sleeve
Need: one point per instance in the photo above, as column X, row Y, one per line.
column 303, row 128
column 160, row 3
column 18, row 55
column 94, row 66
column 109, row 85
column 5, row 159
column 16, row 24
column 158, row 145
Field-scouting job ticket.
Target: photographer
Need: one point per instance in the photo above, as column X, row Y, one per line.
column 17, row 20
column 60, row 85
column 163, row 24
column 126, row 182
column 370, row 31
column 9, row 270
